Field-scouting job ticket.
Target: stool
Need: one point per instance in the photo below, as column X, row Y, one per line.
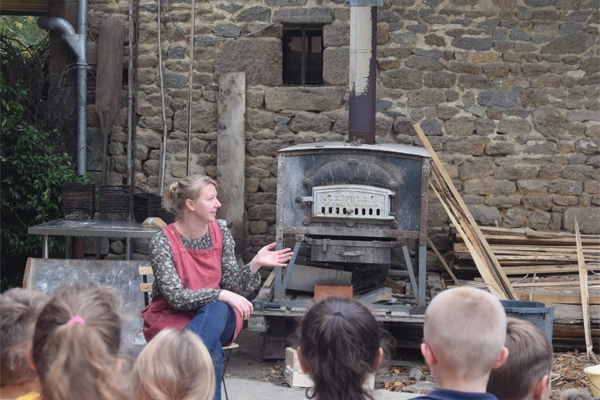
column 227, row 350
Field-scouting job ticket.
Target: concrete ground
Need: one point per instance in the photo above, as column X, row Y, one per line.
column 244, row 389
column 249, row 377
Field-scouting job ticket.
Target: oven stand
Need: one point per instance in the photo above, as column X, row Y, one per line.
column 281, row 280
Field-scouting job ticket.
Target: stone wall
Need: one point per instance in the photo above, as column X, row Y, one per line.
column 506, row 90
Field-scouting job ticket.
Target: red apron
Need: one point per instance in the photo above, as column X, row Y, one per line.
column 197, row 269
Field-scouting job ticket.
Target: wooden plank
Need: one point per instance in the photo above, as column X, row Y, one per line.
column 546, row 269
column 231, row 153
column 266, row 292
column 481, row 266
column 584, row 292
column 442, row 260
column 548, row 284
column 557, row 297
column 480, row 244
column 572, row 314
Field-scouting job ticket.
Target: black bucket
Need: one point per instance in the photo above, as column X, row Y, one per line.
column 532, row 311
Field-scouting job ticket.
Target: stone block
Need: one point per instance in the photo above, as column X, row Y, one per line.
column 336, row 35
column 515, row 218
column 304, row 98
column 567, row 201
column 538, row 202
column 503, row 201
column 500, row 149
column 485, row 216
column 204, row 117
column 425, row 98
column 476, row 168
column 227, row 30
column 588, row 219
column 460, row 127
column 306, row 121
column 263, row 212
column 549, row 122
column 257, row 120
column 515, row 172
column 440, row 79
column 539, row 220
column 402, row 78
column 424, row 63
column 514, row 126
column 269, row 185
column 574, row 43
column 581, row 173
column 501, row 98
column 592, row 187
column 436, row 215
column 565, row 187
column 471, row 145
column 489, row 186
column 336, row 66
column 588, row 145
column 254, row 13
column 532, row 186
column 260, row 59
column 285, row 3
column 264, row 147
column 471, row 43
column 314, row 15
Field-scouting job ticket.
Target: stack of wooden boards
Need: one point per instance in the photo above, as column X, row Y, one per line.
column 543, row 266
column 523, row 254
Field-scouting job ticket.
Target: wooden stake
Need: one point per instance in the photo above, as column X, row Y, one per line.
column 585, row 301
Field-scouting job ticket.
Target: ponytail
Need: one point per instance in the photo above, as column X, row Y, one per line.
column 76, row 343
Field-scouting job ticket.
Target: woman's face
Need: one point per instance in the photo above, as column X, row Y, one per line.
column 206, row 205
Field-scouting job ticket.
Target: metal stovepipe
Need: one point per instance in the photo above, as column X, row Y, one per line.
column 363, row 64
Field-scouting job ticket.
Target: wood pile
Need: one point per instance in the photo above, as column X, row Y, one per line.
column 543, row 266
column 557, row 269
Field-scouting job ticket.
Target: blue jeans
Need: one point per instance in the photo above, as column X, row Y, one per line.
column 215, row 324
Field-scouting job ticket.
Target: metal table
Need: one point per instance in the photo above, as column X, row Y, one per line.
column 91, row 227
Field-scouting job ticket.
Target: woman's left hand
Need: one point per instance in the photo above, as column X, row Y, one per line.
column 267, row 258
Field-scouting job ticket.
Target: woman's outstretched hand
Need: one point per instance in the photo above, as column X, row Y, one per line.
column 267, row 258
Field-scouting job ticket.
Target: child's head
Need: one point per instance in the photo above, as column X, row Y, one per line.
column 526, row 372
column 339, row 347
column 463, row 334
column 19, row 310
column 175, row 365
column 76, row 341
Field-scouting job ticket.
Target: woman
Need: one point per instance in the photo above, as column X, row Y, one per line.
column 198, row 284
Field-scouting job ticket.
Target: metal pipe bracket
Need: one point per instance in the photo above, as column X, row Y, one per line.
column 364, row 3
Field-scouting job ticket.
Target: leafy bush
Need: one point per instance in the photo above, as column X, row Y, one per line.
column 33, row 172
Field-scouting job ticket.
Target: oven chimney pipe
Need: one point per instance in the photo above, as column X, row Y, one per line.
column 363, row 64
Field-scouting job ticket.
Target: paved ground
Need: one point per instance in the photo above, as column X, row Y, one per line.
column 249, row 377
column 243, row 389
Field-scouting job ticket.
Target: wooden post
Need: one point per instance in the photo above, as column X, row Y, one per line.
column 231, row 153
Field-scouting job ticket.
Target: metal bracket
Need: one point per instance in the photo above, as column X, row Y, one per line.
column 364, row 3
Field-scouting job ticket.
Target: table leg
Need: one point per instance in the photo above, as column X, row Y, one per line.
column 44, row 246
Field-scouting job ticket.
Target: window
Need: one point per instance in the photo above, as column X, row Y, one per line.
column 303, row 56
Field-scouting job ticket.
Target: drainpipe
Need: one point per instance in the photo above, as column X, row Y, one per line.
column 363, row 68
column 77, row 43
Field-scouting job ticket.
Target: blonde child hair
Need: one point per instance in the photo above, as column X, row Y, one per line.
column 464, row 334
column 526, row 372
column 19, row 310
column 188, row 188
column 76, row 341
column 175, row 365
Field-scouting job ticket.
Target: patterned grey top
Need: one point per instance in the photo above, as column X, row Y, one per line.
column 167, row 282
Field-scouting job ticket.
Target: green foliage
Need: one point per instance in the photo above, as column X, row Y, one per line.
column 23, row 29
column 33, row 172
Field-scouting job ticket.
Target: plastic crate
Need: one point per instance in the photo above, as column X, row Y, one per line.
column 532, row 311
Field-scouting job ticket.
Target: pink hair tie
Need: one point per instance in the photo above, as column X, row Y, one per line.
column 77, row 319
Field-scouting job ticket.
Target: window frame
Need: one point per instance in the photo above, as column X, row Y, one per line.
column 306, row 48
